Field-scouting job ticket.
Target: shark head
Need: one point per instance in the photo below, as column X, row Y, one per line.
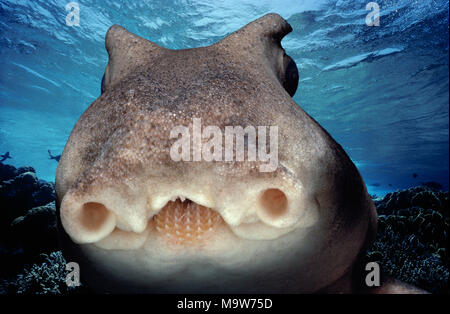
column 195, row 171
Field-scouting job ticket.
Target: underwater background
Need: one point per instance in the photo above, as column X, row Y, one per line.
column 382, row 92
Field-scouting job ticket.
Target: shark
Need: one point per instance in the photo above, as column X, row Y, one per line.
column 140, row 221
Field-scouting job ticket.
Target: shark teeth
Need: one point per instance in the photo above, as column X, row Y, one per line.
column 186, row 222
column 181, row 198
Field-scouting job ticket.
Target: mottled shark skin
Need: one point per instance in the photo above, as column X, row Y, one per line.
column 300, row 228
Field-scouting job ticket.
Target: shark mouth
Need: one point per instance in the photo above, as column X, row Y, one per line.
column 110, row 221
column 186, row 222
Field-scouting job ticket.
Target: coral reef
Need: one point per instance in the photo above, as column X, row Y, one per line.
column 20, row 190
column 35, row 232
column 412, row 238
column 411, row 243
column 30, row 262
column 45, row 277
column 26, row 229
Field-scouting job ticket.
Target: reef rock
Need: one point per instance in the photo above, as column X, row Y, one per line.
column 421, row 196
column 36, row 230
column 7, row 172
column 412, row 237
column 20, row 190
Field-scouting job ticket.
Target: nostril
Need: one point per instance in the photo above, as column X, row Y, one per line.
column 93, row 216
column 274, row 203
column 86, row 222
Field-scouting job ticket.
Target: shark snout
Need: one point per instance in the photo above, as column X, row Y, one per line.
column 92, row 216
column 184, row 212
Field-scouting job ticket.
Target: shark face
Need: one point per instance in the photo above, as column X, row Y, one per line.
column 138, row 220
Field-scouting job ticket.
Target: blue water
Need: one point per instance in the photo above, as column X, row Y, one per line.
column 382, row 92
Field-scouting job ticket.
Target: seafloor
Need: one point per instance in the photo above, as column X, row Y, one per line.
column 411, row 243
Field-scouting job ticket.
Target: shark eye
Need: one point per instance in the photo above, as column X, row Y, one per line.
column 290, row 81
column 103, row 84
